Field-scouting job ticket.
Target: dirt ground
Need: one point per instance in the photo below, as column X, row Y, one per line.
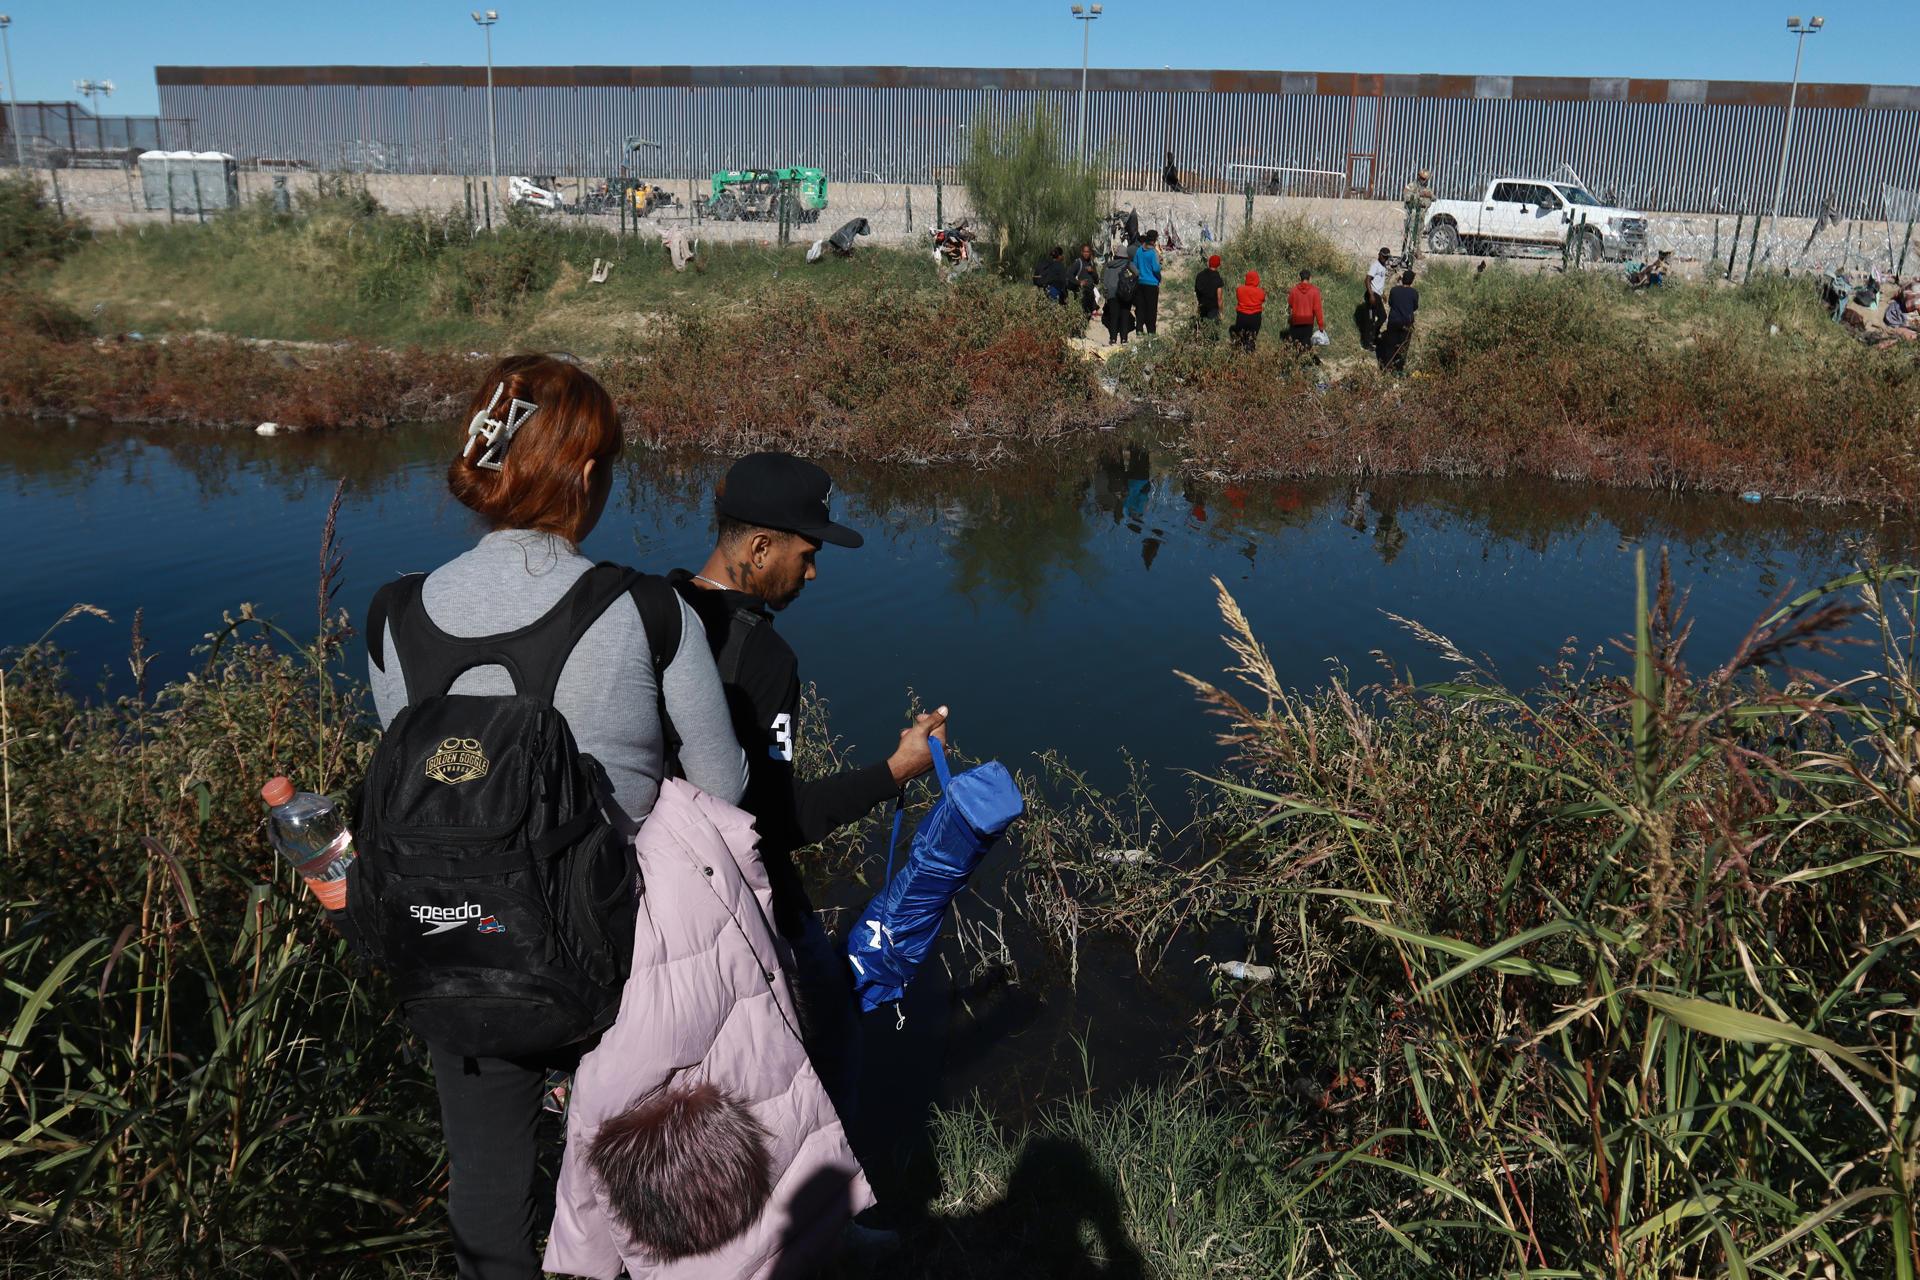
column 901, row 214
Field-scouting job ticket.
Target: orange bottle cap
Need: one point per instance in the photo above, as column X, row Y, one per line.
column 277, row 791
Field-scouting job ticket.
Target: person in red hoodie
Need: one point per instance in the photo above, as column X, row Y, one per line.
column 1250, row 301
column 1304, row 314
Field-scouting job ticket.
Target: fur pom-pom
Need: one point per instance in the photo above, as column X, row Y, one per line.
column 685, row 1170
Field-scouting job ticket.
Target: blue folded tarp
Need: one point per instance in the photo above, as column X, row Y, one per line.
column 891, row 938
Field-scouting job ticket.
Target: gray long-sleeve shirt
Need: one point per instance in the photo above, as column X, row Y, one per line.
column 606, row 690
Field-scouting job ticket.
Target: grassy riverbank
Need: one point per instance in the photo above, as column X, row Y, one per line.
column 345, row 316
column 1612, row 977
column 1697, row 385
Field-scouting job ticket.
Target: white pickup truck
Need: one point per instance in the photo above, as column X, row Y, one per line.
column 1532, row 214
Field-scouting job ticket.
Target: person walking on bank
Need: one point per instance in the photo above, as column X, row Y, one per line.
column 1304, row 314
column 1084, row 278
column 774, row 513
column 1249, row 303
column 1119, row 282
column 1403, row 304
column 1376, row 318
column 1210, row 291
column 1146, row 298
column 537, row 467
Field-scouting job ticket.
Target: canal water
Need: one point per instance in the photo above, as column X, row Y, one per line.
column 1047, row 604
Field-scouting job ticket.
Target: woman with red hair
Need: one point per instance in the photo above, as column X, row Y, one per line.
column 535, row 464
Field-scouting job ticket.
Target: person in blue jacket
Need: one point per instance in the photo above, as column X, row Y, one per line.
column 1146, row 297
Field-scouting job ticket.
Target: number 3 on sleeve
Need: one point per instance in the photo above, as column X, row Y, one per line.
column 782, row 747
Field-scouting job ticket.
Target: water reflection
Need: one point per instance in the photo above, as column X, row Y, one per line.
column 1088, row 568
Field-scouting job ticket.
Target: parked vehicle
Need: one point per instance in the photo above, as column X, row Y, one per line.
column 756, row 194
column 1520, row 214
column 648, row 196
column 536, row 193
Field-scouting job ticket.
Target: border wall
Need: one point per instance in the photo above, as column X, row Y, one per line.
column 1697, row 145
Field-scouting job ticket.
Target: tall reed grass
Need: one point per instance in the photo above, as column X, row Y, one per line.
column 199, row 1079
column 1613, row 978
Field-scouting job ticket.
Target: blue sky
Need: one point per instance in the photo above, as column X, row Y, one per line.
column 58, row 41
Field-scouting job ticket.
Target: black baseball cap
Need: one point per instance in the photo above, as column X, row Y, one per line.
column 780, row 491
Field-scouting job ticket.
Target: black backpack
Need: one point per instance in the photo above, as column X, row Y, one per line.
column 489, row 884
column 1127, row 281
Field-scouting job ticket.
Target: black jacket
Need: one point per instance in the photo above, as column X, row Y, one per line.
column 761, row 675
column 1050, row 272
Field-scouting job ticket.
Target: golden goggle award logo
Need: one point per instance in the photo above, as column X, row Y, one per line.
column 457, row 760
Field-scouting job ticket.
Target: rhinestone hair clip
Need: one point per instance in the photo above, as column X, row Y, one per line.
column 493, row 434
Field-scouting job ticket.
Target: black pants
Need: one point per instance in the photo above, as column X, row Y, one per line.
column 1146, row 308
column 1300, row 335
column 1376, row 321
column 1118, row 317
column 490, row 1109
column 1246, row 328
column 1392, row 350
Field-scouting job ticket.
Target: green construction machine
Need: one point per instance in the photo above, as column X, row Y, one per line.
column 755, row 195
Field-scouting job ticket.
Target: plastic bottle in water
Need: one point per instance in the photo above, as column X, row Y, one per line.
column 311, row 833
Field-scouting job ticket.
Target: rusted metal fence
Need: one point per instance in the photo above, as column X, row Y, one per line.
column 1705, row 146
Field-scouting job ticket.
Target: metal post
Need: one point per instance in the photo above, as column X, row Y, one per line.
column 486, row 204
column 13, row 98
column 939, row 202
column 60, row 205
column 486, row 22
column 1786, row 138
column 1086, row 41
column 1733, row 254
column 1902, row 268
column 1246, row 223
column 909, row 191
column 1715, row 255
column 1753, row 246
column 199, row 210
column 466, row 187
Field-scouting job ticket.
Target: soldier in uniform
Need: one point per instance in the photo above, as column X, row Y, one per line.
column 1417, row 195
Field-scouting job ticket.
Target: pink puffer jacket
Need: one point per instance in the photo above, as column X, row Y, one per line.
column 707, row 1001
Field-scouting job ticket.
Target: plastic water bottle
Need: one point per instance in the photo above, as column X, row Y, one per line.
column 311, row 833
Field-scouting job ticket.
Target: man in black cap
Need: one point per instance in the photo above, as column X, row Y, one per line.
column 774, row 512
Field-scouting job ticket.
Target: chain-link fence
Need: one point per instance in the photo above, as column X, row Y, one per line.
column 65, row 135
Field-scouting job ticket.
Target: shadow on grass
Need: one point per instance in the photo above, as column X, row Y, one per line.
column 1059, row 1218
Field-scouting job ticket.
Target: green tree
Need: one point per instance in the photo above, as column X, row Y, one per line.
column 1022, row 186
column 31, row 229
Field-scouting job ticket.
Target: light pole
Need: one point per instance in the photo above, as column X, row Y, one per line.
column 1800, row 33
column 13, row 116
column 486, row 20
column 93, row 91
column 1086, row 16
